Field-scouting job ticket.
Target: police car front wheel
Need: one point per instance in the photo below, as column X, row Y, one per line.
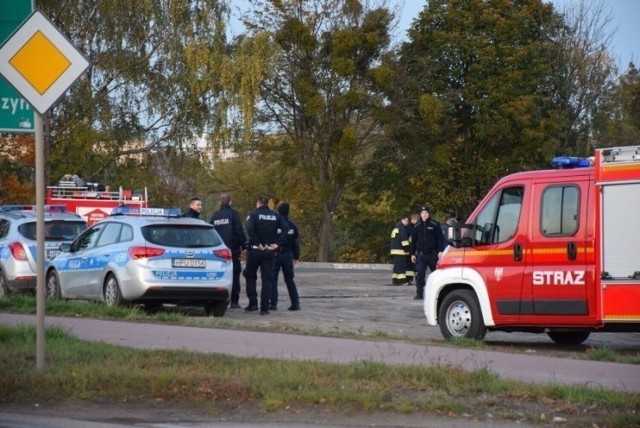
column 53, row 286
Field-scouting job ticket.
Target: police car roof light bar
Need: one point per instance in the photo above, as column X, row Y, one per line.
column 566, row 162
column 146, row 212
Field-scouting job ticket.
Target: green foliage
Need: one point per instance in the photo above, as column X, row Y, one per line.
column 322, row 99
column 153, row 84
column 619, row 125
column 471, row 101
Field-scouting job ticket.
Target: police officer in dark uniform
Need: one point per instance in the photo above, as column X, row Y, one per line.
column 288, row 254
column 427, row 244
column 264, row 240
column 195, row 208
column 226, row 221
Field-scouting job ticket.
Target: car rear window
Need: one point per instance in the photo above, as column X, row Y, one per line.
column 54, row 230
column 182, row 235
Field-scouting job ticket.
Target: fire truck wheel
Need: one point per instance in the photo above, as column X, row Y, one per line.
column 569, row 337
column 112, row 293
column 52, row 290
column 4, row 285
column 217, row 309
column 460, row 316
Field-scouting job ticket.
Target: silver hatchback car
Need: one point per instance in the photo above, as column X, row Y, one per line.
column 147, row 256
column 18, row 244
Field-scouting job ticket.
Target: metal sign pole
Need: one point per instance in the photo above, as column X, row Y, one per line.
column 35, row 47
column 40, row 232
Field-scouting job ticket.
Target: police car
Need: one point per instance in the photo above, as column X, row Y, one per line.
column 146, row 256
column 18, row 244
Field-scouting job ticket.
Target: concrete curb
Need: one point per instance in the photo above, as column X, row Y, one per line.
column 360, row 266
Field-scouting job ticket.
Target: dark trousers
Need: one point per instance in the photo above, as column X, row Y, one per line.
column 284, row 260
column 265, row 261
column 424, row 261
column 411, row 269
column 235, row 285
column 399, row 269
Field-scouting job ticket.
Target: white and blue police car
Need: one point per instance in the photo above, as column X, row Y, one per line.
column 18, row 244
column 148, row 256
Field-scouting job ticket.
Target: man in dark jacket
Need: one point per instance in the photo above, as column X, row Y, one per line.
column 286, row 258
column 427, row 245
column 195, row 208
column 226, row 221
column 264, row 240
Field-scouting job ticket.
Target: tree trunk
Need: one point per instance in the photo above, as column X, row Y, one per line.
column 324, row 237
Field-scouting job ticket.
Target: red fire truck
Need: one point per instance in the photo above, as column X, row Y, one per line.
column 92, row 200
column 553, row 251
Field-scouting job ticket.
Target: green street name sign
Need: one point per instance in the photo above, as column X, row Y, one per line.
column 16, row 114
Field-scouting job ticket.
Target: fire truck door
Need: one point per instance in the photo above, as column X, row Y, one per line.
column 499, row 250
column 557, row 279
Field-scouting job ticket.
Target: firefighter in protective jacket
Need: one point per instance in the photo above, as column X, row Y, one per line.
column 399, row 251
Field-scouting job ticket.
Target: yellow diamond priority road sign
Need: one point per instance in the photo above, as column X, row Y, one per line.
column 40, row 62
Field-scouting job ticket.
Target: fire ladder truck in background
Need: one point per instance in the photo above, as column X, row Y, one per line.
column 91, row 199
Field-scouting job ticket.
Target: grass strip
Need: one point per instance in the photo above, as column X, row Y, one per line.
column 83, row 370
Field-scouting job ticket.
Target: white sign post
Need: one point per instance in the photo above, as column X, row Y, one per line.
column 41, row 64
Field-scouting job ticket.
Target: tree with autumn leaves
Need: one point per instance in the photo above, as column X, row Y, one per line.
column 17, row 160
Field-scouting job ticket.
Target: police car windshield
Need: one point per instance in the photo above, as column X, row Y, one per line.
column 54, row 230
column 182, row 236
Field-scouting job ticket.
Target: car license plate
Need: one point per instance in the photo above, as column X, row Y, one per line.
column 52, row 253
column 189, row 263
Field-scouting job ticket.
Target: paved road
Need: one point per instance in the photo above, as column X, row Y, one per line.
column 359, row 299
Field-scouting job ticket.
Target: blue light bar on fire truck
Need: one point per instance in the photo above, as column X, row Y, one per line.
column 565, row 162
column 146, row 212
column 47, row 208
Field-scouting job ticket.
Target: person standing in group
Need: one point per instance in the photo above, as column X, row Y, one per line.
column 226, row 221
column 427, row 244
column 399, row 251
column 286, row 258
column 452, row 221
column 264, row 240
column 411, row 267
column 195, row 208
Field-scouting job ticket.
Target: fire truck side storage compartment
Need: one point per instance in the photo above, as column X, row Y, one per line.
column 621, row 230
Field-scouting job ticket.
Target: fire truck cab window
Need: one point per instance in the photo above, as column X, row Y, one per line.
column 498, row 221
column 559, row 211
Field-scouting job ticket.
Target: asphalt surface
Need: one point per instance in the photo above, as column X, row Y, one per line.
column 358, row 301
